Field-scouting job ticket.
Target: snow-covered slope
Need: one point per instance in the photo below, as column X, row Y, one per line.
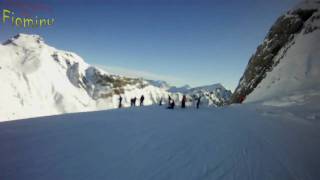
column 237, row 142
column 38, row 80
column 287, row 64
column 34, row 82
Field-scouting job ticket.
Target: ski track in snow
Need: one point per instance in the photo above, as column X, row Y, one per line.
column 238, row 142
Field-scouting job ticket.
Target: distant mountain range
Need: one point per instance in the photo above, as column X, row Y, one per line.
column 215, row 94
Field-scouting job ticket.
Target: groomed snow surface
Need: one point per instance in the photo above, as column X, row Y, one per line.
column 239, row 142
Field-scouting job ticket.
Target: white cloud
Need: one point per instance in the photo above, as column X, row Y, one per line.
column 140, row 74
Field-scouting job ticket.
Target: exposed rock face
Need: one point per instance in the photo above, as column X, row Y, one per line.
column 277, row 42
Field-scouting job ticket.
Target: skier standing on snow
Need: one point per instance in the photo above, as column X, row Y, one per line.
column 183, row 102
column 160, row 102
column 169, row 100
column 120, row 101
column 171, row 104
column 141, row 100
column 134, row 101
column 198, row 102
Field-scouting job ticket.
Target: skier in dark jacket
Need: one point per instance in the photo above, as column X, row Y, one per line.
column 120, row 102
column 169, row 100
column 133, row 102
column 160, row 102
column 141, row 100
column 171, row 104
column 183, row 102
column 198, row 102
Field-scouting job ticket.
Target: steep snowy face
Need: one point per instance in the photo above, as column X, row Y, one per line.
column 288, row 58
column 38, row 80
column 34, row 82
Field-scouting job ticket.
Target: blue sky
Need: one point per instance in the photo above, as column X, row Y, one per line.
column 194, row 42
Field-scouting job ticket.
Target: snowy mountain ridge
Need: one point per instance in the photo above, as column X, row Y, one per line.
column 40, row 80
column 215, row 94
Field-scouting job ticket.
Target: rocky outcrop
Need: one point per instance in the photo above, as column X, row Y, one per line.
column 277, row 41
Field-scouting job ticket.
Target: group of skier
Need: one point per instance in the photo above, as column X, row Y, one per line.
column 171, row 102
column 132, row 101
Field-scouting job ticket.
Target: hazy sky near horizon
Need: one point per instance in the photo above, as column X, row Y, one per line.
column 195, row 42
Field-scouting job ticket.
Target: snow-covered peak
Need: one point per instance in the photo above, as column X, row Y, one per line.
column 37, row 79
column 25, row 40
